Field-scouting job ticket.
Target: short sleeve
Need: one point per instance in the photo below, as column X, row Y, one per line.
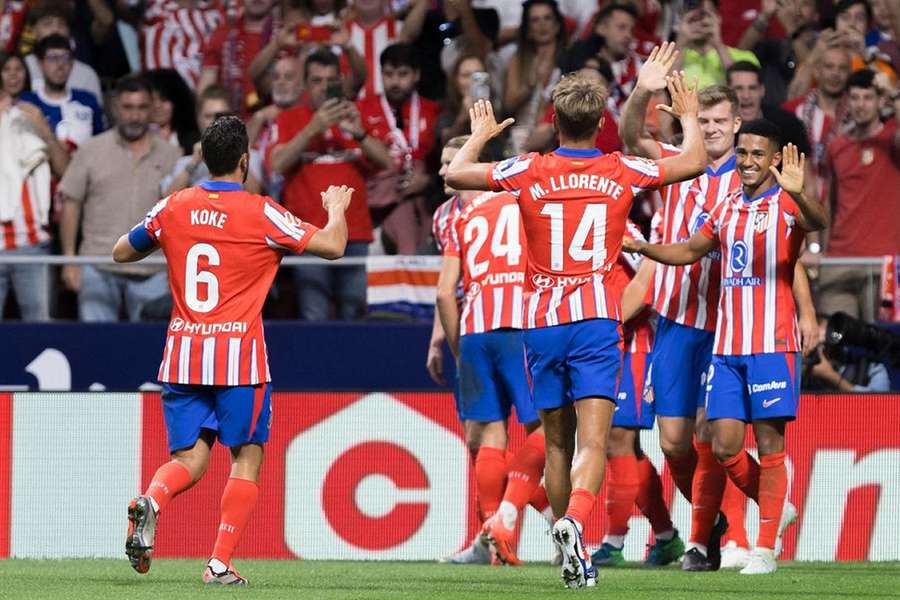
column 75, row 181
column 711, row 227
column 146, row 234
column 641, row 173
column 451, row 245
column 284, row 231
column 512, row 174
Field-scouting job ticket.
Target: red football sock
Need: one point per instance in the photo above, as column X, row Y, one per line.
column 539, row 500
column 490, row 479
column 169, row 480
column 650, row 497
column 734, row 505
column 708, row 487
column 743, row 470
column 525, row 471
column 621, row 492
column 772, row 494
column 581, row 503
column 238, row 502
column 682, row 469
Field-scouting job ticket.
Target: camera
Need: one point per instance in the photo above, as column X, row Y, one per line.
column 480, row 88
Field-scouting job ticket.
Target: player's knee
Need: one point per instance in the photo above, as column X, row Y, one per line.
column 675, row 448
column 724, row 450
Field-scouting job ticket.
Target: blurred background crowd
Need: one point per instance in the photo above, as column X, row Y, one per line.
column 102, row 103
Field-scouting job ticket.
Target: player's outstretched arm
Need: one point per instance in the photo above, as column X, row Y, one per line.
column 806, row 310
column 125, row 252
column 673, row 254
column 651, row 79
column 465, row 172
column 331, row 241
column 692, row 160
column 636, row 290
column 446, row 301
column 790, row 178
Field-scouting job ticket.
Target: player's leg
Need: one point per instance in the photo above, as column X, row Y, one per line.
column 244, row 414
column 190, row 420
column 621, row 492
column 526, row 467
column 667, row 544
column 708, row 486
column 736, row 547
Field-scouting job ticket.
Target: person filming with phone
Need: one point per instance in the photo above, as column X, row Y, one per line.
column 327, row 139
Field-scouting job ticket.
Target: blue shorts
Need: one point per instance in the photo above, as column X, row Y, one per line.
column 679, row 361
column 492, row 377
column 633, row 408
column 754, row 387
column 237, row 414
column 574, row 361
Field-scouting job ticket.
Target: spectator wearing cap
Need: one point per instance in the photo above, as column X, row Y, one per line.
column 110, row 184
column 52, row 18
column 865, row 198
column 745, row 78
column 230, row 49
column 320, row 141
column 73, row 114
column 407, row 122
column 780, row 55
column 704, row 56
column 612, row 40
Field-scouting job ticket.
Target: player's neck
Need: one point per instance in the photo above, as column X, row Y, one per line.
column 718, row 162
column 468, row 196
column 585, row 144
column 862, row 131
column 752, row 192
column 237, row 178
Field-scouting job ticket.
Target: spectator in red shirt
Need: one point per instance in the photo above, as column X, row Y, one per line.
column 408, row 125
column 323, row 140
column 865, row 166
column 230, row 49
column 545, row 137
column 12, row 21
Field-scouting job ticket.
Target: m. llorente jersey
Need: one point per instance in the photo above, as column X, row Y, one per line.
column 688, row 294
column 760, row 240
column 574, row 204
column 489, row 240
column 223, row 247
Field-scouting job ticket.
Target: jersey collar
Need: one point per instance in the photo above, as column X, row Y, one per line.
column 221, row 186
column 769, row 192
column 578, row 152
column 728, row 165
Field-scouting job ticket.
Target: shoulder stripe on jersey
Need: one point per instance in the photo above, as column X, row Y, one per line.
column 281, row 222
column 511, row 167
column 643, row 166
column 273, row 244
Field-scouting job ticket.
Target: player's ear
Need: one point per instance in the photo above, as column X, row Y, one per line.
column 776, row 159
column 244, row 164
column 555, row 125
column 600, row 122
column 737, row 124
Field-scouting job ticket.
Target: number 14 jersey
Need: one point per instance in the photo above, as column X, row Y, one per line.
column 574, row 205
column 223, row 247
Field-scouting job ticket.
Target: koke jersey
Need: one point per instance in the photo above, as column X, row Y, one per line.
column 223, row 247
column 574, row 204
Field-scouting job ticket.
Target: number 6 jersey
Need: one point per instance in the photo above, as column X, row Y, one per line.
column 574, row 205
column 223, row 247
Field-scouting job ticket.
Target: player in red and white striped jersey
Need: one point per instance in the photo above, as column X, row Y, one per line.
column 754, row 375
column 223, row 247
column 685, row 298
column 173, row 35
column 574, row 205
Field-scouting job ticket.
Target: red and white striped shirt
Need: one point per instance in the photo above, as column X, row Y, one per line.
column 638, row 331
column 223, row 247
column 370, row 42
column 688, row 294
column 574, row 205
column 820, row 128
column 25, row 228
column 760, row 240
column 443, row 220
column 173, row 37
column 625, row 72
column 489, row 240
column 12, row 21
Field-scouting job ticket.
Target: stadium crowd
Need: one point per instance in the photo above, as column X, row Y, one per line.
column 102, row 103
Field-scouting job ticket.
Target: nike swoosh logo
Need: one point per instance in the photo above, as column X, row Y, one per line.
column 768, row 403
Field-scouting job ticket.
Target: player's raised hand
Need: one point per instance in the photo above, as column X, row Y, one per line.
column 684, row 96
column 653, row 73
column 793, row 162
column 337, row 197
column 484, row 124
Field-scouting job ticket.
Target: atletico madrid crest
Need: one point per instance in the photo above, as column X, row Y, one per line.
column 761, row 222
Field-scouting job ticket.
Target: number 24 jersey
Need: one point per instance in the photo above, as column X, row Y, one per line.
column 574, row 205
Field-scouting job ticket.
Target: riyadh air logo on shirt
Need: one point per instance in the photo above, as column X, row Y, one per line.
column 740, row 258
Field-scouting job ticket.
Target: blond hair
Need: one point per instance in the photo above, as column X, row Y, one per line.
column 579, row 102
column 712, row 95
column 457, row 142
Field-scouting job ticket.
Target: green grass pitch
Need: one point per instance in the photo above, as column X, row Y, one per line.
column 180, row 580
